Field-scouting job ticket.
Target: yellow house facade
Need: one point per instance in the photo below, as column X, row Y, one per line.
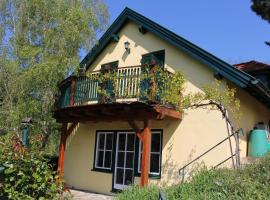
column 102, row 150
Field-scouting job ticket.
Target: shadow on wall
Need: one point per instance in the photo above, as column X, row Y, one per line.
column 171, row 165
column 73, row 133
column 125, row 55
column 171, row 169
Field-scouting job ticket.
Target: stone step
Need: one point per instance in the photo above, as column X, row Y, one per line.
column 248, row 160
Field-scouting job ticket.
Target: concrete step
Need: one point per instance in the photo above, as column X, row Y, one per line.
column 248, row 160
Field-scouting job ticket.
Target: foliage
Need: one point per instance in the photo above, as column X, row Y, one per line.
column 40, row 42
column 250, row 182
column 213, row 95
column 137, row 192
column 262, row 8
column 27, row 174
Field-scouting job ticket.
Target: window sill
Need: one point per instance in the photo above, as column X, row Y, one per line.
column 108, row 171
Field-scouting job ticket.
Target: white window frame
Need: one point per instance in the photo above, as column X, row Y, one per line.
column 157, row 153
column 104, row 150
column 116, row 185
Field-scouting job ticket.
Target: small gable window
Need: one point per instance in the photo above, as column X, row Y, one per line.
column 154, row 58
column 109, row 66
column 104, row 149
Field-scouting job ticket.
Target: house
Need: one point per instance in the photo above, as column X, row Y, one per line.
column 259, row 70
column 109, row 143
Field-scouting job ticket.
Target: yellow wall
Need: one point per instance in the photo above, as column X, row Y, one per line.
column 182, row 141
column 252, row 112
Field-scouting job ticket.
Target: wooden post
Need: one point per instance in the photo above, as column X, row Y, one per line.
column 152, row 85
column 71, row 103
column 146, row 136
column 62, row 147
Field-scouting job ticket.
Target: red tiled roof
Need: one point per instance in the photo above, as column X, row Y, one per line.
column 252, row 66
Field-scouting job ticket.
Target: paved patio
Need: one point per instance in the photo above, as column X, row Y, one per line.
column 83, row 195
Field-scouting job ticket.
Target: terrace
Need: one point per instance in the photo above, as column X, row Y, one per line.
column 123, row 93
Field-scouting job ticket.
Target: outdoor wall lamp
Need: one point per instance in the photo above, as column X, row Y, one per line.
column 127, row 47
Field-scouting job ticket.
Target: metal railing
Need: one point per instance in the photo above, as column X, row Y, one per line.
column 77, row 90
column 182, row 169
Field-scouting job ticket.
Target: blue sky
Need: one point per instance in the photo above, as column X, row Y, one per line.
column 225, row 28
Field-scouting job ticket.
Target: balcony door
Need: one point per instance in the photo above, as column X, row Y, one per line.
column 149, row 62
column 124, row 160
column 107, row 85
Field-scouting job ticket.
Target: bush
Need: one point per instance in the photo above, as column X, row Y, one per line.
column 27, row 174
column 251, row 182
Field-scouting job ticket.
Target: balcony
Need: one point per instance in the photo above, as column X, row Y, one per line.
column 128, row 92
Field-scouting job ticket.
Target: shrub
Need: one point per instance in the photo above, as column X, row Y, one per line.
column 27, row 174
column 251, row 182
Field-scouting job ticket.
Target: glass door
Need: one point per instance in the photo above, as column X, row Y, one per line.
column 124, row 160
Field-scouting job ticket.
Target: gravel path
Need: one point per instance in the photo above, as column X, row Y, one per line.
column 82, row 195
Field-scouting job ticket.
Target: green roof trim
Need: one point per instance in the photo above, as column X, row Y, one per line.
column 240, row 78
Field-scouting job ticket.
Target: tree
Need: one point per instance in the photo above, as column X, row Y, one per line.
column 40, row 41
column 262, row 8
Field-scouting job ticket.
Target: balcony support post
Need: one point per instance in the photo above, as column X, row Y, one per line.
column 61, row 155
column 146, row 137
column 65, row 132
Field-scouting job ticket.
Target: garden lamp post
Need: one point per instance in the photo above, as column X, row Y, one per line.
column 25, row 130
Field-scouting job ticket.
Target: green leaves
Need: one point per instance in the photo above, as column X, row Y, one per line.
column 216, row 93
column 43, row 39
column 262, row 8
column 27, row 175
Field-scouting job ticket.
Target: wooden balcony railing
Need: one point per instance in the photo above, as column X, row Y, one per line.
column 128, row 84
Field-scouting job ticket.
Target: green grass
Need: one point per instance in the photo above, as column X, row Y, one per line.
column 251, row 182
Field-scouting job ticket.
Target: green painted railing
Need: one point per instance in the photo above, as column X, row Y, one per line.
column 77, row 90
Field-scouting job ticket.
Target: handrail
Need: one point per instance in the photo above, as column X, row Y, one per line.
column 197, row 158
column 131, row 66
column 224, row 161
column 98, row 71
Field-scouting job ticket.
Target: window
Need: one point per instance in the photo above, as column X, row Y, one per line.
column 155, row 154
column 154, row 58
column 104, row 150
column 109, row 67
